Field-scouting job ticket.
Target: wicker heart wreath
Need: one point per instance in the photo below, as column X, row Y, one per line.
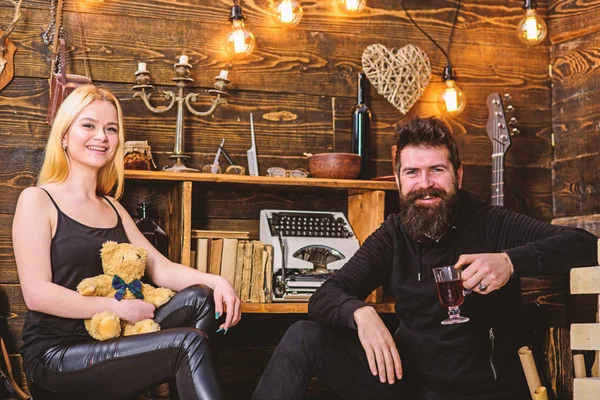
column 399, row 75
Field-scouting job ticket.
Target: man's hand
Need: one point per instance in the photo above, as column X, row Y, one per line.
column 379, row 345
column 485, row 272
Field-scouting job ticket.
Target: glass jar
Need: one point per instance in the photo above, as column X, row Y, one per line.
column 138, row 155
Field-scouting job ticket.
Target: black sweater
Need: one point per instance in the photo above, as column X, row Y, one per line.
column 478, row 355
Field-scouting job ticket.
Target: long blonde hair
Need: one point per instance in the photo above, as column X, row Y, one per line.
column 56, row 163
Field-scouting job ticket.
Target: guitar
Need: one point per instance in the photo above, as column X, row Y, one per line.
column 498, row 131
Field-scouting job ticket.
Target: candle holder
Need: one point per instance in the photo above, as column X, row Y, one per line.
column 144, row 90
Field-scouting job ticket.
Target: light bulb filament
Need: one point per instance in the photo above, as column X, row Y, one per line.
column 531, row 30
column 352, row 5
column 286, row 12
column 451, row 99
column 239, row 41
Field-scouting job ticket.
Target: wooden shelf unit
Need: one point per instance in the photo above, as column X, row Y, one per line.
column 366, row 203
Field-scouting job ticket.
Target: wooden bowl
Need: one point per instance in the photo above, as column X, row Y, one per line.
column 334, row 165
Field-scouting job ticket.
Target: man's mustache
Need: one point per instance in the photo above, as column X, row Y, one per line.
column 417, row 194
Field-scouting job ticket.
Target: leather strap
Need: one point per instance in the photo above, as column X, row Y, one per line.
column 8, row 378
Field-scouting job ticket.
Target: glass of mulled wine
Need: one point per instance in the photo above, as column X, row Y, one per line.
column 450, row 292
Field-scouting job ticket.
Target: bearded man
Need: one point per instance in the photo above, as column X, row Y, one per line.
column 347, row 345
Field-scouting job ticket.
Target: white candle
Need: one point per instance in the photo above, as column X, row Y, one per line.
column 183, row 59
column 142, row 67
column 223, row 74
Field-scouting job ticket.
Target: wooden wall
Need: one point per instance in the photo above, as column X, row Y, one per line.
column 574, row 29
column 300, row 85
column 575, row 36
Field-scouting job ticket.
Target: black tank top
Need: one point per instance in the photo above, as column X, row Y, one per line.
column 75, row 255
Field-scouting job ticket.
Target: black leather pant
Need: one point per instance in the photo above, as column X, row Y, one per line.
column 122, row 367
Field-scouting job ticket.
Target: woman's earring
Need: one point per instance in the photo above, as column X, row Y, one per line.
column 64, row 146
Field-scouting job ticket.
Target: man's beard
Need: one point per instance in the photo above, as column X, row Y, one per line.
column 425, row 221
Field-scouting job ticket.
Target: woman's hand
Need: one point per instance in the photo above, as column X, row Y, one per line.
column 133, row 311
column 225, row 294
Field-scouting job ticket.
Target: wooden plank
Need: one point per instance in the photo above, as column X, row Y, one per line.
column 8, row 271
column 23, row 105
column 174, row 223
column 552, row 282
column 553, row 302
column 381, row 18
column 585, row 280
column 292, row 65
column 590, row 223
column 531, row 147
column 576, row 186
column 186, row 222
column 586, row 388
column 19, row 168
column 223, row 202
column 575, row 80
column 527, row 190
column 574, row 69
column 585, row 336
column 299, row 308
column 12, row 302
column 573, row 124
column 559, row 368
column 571, row 19
column 366, row 213
column 259, row 181
column 317, row 124
column 223, row 224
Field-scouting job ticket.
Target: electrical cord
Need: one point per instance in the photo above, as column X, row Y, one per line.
column 447, row 52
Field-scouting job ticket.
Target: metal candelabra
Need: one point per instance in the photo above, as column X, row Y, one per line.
column 182, row 77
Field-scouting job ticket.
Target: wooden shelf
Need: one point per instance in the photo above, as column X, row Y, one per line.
column 366, row 203
column 260, row 180
column 301, row 308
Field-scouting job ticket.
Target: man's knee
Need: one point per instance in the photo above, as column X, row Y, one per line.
column 307, row 336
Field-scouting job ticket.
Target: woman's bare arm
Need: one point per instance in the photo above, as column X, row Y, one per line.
column 176, row 276
column 32, row 236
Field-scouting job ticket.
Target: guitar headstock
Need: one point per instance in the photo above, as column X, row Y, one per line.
column 500, row 130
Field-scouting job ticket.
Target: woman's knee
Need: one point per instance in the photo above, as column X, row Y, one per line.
column 191, row 344
column 199, row 295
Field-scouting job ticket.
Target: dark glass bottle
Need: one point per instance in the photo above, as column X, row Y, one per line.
column 361, row 127
column 155, row 235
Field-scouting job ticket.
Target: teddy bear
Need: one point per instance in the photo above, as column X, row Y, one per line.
column 123, row 265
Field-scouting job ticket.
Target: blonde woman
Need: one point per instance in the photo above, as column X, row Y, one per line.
column 58, row 230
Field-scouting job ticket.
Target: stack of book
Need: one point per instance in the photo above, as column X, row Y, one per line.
column 247, row 264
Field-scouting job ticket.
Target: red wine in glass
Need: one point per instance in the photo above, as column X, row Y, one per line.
column 450, row 292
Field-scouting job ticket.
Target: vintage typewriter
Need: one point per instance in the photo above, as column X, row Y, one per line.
column 308, row 246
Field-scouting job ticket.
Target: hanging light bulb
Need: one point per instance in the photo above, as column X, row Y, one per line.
column 240, row 42
column 452, row 100
column 531, row 29
column 288, row 12
column 351, row 5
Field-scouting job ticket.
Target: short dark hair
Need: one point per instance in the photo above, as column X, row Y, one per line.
column 426, row 132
